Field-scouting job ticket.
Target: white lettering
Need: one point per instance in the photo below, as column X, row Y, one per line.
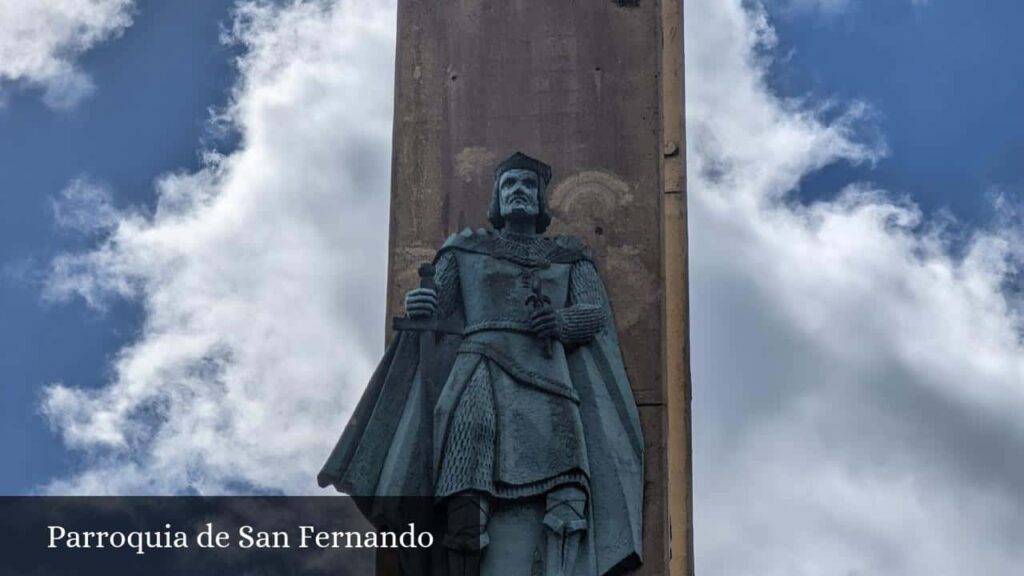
column 207, row 539
column 245, row 539
column 54, row 537
column 262, row 539
column 135, row 540
column 304, row 534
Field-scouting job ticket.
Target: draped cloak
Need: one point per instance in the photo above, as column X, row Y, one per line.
column 383, row 459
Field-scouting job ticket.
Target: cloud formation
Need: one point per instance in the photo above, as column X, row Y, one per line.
column 829, row 7
column 859, row 372
column 258, row 273
column 40, row 41
column 858, row 365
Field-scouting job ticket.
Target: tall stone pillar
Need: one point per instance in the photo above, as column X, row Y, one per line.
column 594, row 88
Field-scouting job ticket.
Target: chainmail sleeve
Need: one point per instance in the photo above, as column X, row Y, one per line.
column 584, row 316
column 446, row 284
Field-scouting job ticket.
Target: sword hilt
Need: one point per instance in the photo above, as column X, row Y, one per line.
column 539, row 300
column 426, row 272
column 432, row 323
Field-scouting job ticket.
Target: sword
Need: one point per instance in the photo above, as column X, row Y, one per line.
column 429, row 329
column 538, row 300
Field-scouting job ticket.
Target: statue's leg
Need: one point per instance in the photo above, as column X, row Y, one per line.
column 566, row 522
column 468, row 513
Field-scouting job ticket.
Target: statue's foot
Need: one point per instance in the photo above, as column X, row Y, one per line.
column 566, row 523
column 463, row 563
column 563, row 546
column 468, row 514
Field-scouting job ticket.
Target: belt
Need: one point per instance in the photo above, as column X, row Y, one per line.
column 508, row 325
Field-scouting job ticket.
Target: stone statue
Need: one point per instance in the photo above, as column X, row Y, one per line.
column 504, row 405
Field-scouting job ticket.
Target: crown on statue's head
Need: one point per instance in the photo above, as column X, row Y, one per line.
column 524, row 162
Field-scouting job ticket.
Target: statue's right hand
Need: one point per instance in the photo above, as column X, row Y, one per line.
column 421, row 303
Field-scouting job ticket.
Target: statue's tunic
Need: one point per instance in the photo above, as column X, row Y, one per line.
column 507, row 422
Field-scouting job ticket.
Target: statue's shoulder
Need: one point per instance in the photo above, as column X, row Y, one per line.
column 567, row 249
column 479, row 241
column 558, row 249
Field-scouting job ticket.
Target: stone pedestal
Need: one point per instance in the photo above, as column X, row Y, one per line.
column 594, row 88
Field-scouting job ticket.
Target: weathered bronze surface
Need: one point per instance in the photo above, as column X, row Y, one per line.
column 520, row 428
column 595, row 89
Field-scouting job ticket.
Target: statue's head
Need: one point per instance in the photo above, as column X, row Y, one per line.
column 520, row 183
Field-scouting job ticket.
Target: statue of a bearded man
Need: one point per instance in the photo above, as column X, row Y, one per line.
column 529, row 446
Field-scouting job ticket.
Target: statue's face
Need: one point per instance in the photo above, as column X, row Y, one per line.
column 518, row 189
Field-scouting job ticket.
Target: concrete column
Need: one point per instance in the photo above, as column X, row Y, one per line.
column 594, row 88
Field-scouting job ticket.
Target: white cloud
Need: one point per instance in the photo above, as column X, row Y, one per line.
column 830, row 7
column 259, row 274
column 40, row 40
column 85, row 206
column 859, row 376
column 858, row 373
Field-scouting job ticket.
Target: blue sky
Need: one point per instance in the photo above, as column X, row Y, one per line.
column 148, row 116
column 943, row 77
column 212, row 319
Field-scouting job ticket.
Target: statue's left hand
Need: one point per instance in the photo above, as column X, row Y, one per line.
column 544, row 322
